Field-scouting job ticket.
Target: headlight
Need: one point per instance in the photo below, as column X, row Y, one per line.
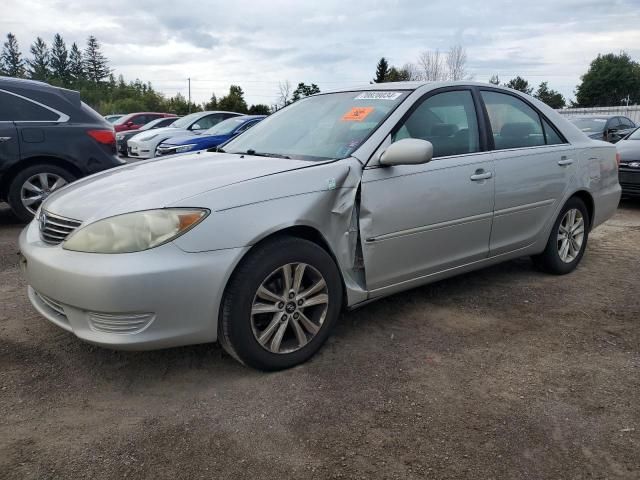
column 185, row 148
column 119, row 136
column 134, row 232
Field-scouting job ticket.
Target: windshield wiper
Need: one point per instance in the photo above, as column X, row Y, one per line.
column 251, row 151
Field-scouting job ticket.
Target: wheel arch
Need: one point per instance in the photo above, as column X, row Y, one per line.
column 11, row 172
column 586, row 197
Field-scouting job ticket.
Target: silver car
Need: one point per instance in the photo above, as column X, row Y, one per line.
column 332, row 202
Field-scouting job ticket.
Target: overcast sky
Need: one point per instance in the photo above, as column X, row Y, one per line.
column 334, row 43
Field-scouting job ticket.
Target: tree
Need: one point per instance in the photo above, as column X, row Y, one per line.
column 457, row 63
column 234, row 101
column 519, row 84
column 304, row 90
column 284, row 94
column 11, row 62
column 212, row 104
column 550, row 97
column 609, row 80
column 76, row 65
column 39, row 63
column 382, row 70
column 95, row 63
column 259, row 109
column 431, row 65
column 60, row 60
column 495, row 79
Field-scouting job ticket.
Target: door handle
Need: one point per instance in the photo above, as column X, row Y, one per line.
column 4, row 139
column 480, row 175
column 564, row 161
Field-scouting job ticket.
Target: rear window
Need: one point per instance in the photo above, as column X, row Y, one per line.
column 17, row 109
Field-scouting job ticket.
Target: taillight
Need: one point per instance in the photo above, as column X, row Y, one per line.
column 106, row 137
column 618, row 159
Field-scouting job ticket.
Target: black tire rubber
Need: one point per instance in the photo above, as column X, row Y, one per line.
column 549, row 260
column 234, row 325
column 13, row 197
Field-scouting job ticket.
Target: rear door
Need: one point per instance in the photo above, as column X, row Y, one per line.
column 9, row 145
column 533, row 168
column 417, row 220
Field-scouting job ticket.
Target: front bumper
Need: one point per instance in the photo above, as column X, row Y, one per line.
column 141, row 149
column 163, row 297
column 629, row 180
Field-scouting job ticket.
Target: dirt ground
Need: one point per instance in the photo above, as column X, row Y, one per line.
column 505, row 373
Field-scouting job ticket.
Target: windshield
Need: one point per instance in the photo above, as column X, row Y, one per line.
column 321, row 127
column 226, row 127
column 635, row 135
column 185, row 122
column 589, row 124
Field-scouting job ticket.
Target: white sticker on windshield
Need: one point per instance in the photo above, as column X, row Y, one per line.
column 379, row 95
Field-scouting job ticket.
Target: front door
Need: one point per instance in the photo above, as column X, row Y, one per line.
column 417, row 220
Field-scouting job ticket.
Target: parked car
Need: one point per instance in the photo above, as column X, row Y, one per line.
column 48, row 138
column 144, row 144
column 334, row 201
column 134, row 121
column 610, row 128
column 629, row 171
column 216, row 135
column 122, row 137
column 113, row 118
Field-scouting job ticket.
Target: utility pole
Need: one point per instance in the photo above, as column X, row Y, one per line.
column 189, row 80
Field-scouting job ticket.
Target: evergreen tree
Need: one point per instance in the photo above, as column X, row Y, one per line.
column 382, row 71
column 39, row 63
column 550, row 97
column 304, row 90
column 76, row 65
column 259, row 109
column 95, row 63
column 212, row 104
column 234, row 101
column 60, row 60
column 494, row 79
column 11, row 62
column 519, row 84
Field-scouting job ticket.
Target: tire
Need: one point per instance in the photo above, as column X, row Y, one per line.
column 555, row 259
column 247, row 316
column 54, row 176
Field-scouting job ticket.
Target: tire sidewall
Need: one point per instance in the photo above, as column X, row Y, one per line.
column 13, row 197
column 248, row 277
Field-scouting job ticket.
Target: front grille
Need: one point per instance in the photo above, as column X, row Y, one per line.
column 54, row 229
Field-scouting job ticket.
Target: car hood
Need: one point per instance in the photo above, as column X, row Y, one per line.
column 160, row 183
column 628, row 149
column 166, row 132
column 197, row 139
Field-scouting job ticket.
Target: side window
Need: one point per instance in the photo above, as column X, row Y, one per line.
column 514, row 123
column 139, row 119
column 626, row 123
column 613, row 123
column 246, row 126
column 448, row 120
column 16, row 109
column 552, row 136
column 209, row 121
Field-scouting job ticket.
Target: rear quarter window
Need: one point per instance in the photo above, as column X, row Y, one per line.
column 17, row 109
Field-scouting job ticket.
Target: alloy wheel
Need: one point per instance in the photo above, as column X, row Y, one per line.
column 570, row 235
column 37, row 188
column 289, row 308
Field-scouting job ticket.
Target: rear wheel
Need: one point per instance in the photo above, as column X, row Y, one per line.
column 567, row 241
column 33, row 185
column 280, row 304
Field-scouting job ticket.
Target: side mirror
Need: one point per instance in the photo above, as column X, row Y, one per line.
column 408, row 151
column 130, row 123
column 196, row 126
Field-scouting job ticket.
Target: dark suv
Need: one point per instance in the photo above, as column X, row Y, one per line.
column 48, row 138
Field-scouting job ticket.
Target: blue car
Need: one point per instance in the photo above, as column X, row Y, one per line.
column 214, row 136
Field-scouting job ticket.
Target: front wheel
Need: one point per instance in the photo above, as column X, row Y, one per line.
column 280, row 304
column 567, row 241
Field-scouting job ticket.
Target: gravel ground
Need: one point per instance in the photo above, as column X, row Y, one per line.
column 502, row 373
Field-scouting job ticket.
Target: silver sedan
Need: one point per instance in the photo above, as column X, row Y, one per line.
column 334, row 201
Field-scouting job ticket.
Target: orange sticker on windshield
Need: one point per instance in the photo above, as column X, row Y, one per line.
column 357, row 114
